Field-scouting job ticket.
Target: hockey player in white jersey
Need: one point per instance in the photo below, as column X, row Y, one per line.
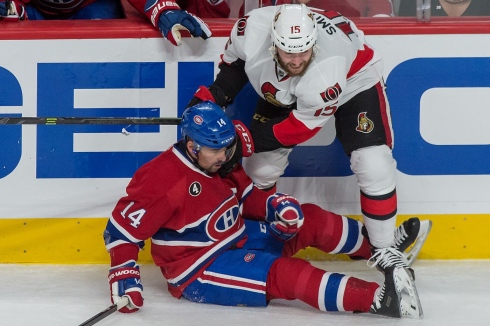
column 308, row 66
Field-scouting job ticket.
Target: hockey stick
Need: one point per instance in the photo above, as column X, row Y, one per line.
column 106, row 312
column 87, row 121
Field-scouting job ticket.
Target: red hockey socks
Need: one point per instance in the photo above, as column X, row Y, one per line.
column 293, row 278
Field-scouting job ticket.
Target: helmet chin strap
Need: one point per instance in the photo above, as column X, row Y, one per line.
column 315, row 51
column 195, row 160
column 193, row 156
column 273, row 51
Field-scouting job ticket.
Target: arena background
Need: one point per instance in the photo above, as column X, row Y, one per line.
column 58, row 184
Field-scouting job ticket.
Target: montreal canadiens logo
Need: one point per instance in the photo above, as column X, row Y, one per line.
column 198, row 120
column 248, row 257
column 223, row 219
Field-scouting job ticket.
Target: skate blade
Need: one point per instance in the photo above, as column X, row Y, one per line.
column 410, row 305
column 412, row 252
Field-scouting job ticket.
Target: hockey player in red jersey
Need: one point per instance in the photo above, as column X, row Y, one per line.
column 69, row 9
column 219, row 239
column 171, row 19
column 308, row 67
column 167, row 16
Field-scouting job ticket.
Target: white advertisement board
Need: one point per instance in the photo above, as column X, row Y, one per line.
column 439, row 95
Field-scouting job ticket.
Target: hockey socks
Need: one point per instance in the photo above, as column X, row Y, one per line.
column 294, row 278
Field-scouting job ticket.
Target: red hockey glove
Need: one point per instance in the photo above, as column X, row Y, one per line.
column 244, row 148
column 212, row 93
column 204, row 94
column 170, row 20
column 285, row 216
column 12, row 11
column 247, row 147
column 124, row 280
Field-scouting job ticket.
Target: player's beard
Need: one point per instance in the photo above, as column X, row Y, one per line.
column 286, row 67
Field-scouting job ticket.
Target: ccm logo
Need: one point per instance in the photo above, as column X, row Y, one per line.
column 245, row 136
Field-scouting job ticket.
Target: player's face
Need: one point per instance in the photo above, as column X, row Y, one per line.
column 295, row 64
column 210, row 159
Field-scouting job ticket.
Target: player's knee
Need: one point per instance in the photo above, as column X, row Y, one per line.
column 316, row 215
column 319, row 224
column 311, row 210
column 283, row 276
column 375, row 169
column 264, row 176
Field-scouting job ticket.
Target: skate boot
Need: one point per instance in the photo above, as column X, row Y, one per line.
column 397, row 297
column 411, row 235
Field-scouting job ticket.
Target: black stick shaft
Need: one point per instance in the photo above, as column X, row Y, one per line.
column 101, row 315
column 87, row 121
column 106, row 312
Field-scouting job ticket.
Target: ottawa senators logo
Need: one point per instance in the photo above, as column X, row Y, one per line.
column 364, row 124
column 269, row 92
column 332, row 93
column 241, row 26
column 277, row 17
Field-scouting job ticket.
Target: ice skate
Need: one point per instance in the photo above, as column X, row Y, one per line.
column 397, row 297
column 410, row 237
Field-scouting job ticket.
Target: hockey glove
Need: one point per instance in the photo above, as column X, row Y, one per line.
column 244, row 148
column 12, row 11
column 124, row 280
column 285, row 216
column 212, row 93
column 170, row 20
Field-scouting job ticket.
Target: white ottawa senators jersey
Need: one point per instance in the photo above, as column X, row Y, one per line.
column 343, row 67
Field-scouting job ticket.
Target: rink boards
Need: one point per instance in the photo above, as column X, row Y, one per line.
column 59, row 184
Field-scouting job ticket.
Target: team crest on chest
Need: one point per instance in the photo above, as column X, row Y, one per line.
column 223, row 219
column 195, row 189
column 269, row 91
column 364, row 124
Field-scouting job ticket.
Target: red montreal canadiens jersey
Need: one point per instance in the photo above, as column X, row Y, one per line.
column 58, row 9
column 344, row 66
column 201, row 8
column 190, row 216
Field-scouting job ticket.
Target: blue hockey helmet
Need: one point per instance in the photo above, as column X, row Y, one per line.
column 207, row 125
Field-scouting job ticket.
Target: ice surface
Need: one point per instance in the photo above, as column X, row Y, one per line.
column 452, row 293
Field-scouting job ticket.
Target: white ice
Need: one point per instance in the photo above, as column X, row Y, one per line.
column 451, row 292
